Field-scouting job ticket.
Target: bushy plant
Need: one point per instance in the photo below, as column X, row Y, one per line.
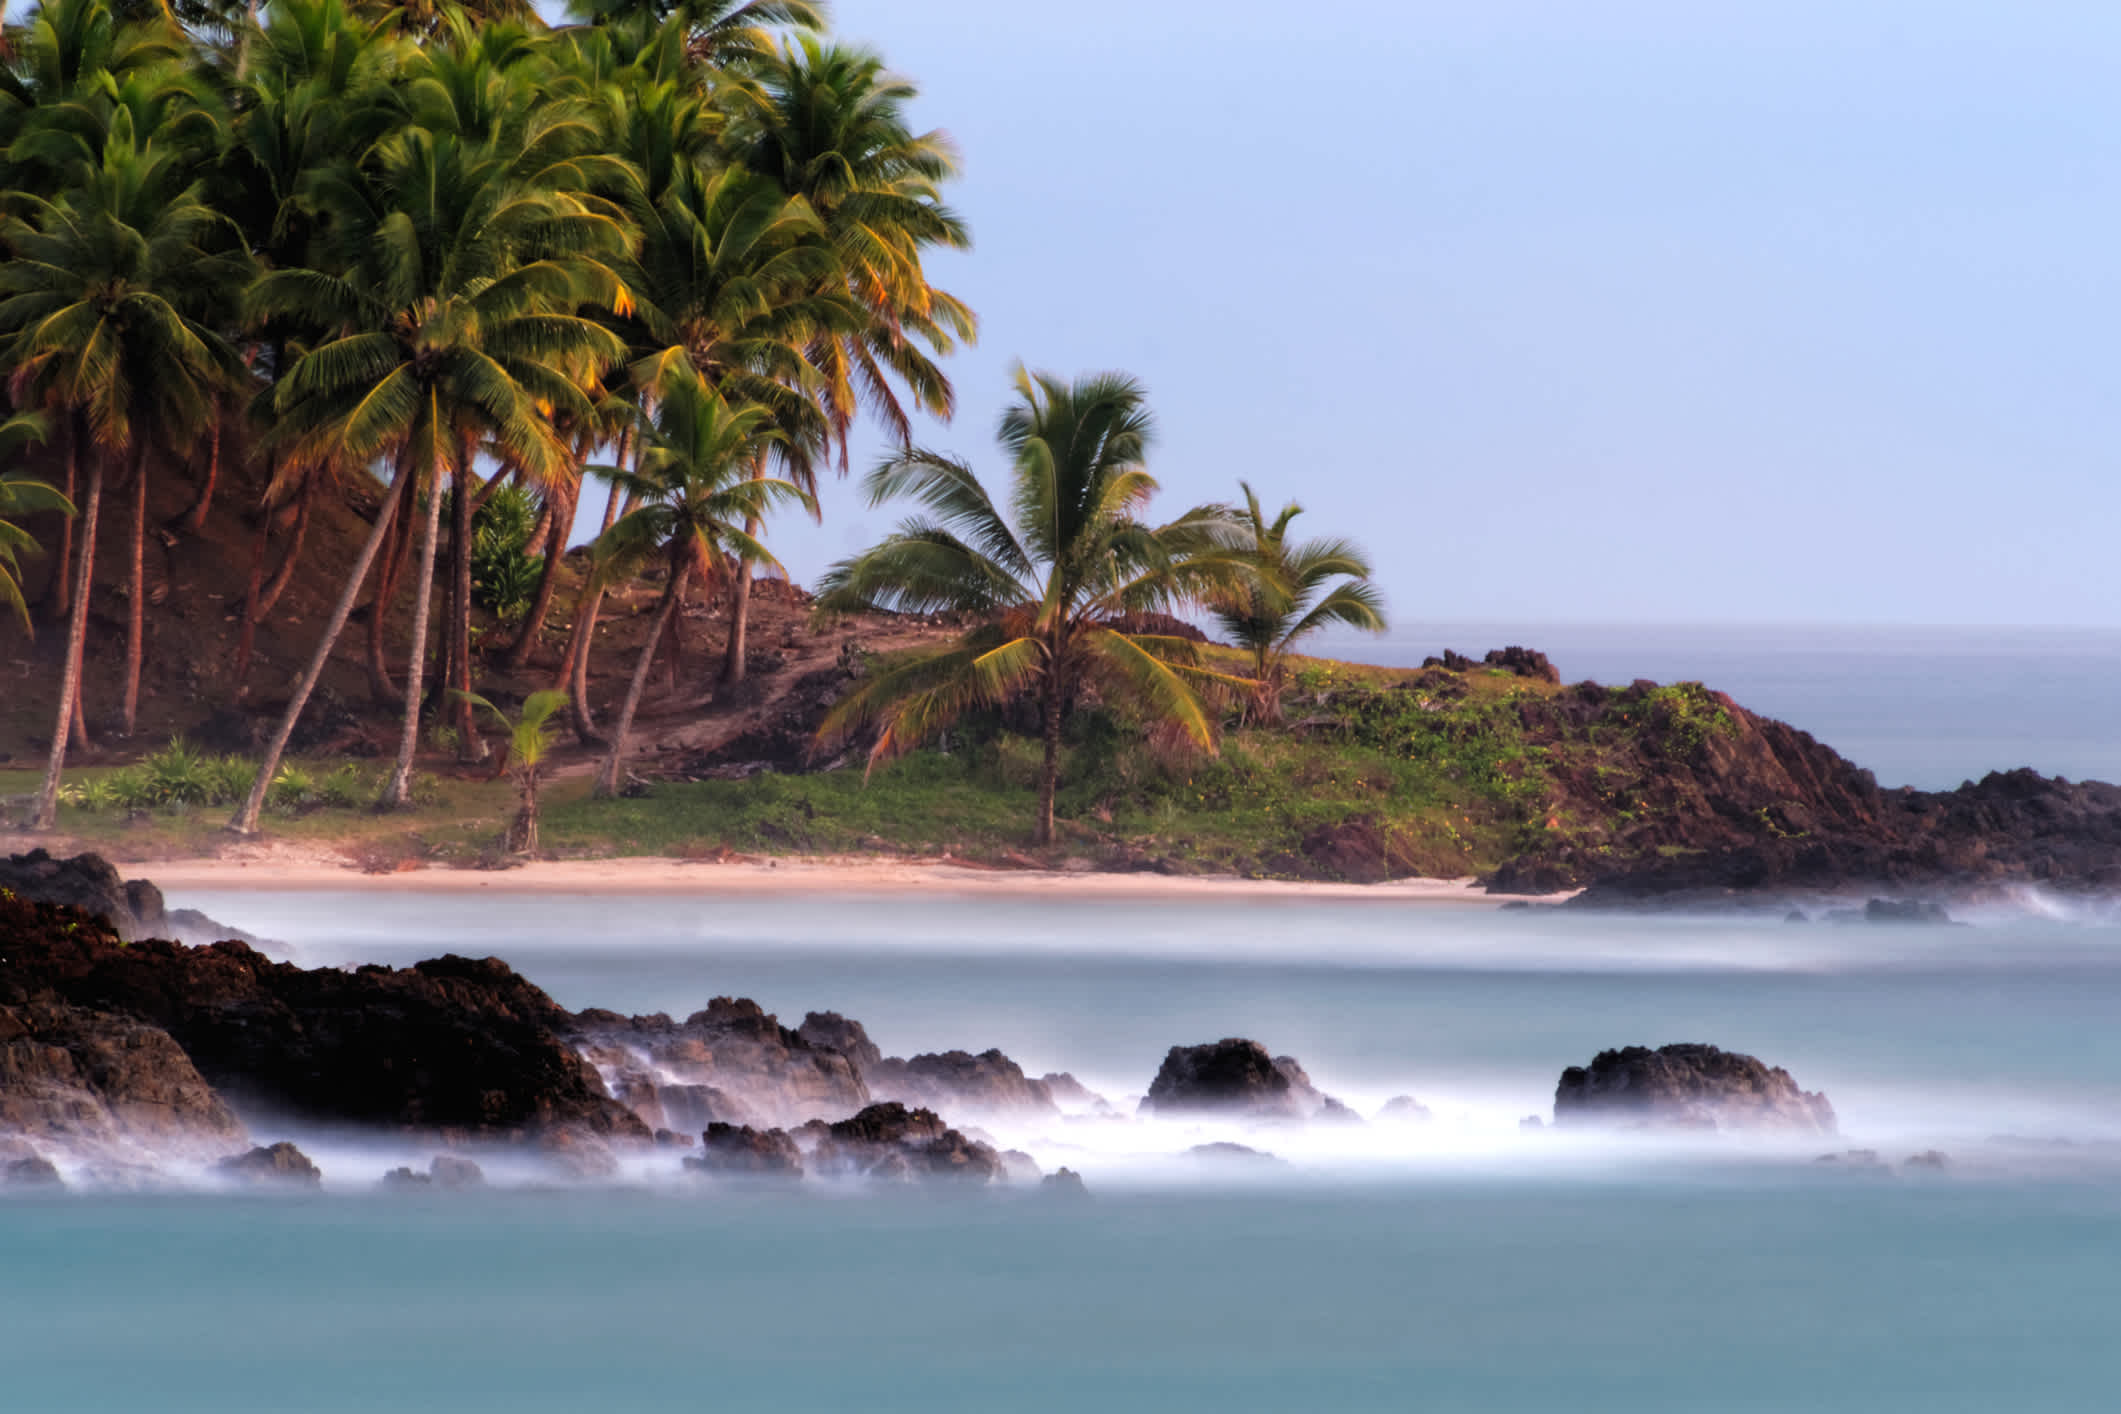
column 344, row 788
column 504, row 575
column 179, row 775
column 292, row 788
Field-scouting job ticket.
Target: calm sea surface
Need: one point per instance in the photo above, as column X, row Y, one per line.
column 1462, row 1264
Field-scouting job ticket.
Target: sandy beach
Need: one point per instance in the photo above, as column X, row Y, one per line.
column 280, row 868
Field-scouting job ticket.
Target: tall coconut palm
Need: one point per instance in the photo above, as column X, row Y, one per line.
column 1289, row 594
column 1052, row 591
column 21, row 496
column 100, row 311
column 454, row 315
column 719, row 35
column 694, row 492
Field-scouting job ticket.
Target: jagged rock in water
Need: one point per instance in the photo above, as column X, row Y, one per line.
column 1020, row 1167
column 576, row 1154
column 842, row 1034
column 1237, row 1076
column 890, row 1141
column 756, row 1070
column 1224, row 1152
column 740, row 1149
column 459, row 1046
column 1064, row 1183
column 1929, row 1159
column 1403, row 1109
column 450, row 1171
column 402, row 1177
column 32, row 1172
column 1073, row 1096
column 671, row 1139
column 1687, row 1086
column 1892, row 910
column 280, row 1163
column 98, row 1084
column 959, row 1082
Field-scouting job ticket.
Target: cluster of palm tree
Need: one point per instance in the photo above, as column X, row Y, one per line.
column 405, row 251
column 1074, row 591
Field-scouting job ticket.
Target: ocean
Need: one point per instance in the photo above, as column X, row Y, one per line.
column 1466, row 1263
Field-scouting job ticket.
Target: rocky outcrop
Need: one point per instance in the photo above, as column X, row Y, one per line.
column 461, row 1047
column 958, row 1082
column 98, row 1084
column 838, row 1033
column 32, row 1172
column 1403, row 1109
column 276, row 1165
column 1687, row 1086
column 752, row 1070
column 1239, row 1155
column 132, row 907
column 1237, row 1076
column 890, row 1141
column 740, row 1149
column 1073, row 1096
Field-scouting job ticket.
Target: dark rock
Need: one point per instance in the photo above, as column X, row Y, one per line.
column 890, row 1141
column 1687, row 1086
column 1451, row 662
column 280, row 1163
column 32, row 1172
column 830, row 1030
column 1404, row 1109
column 407, row 1178
column 1063, row 1183
column 1359, row 850
column 97, row 1082
column 740, row 1149
column 671, row 1139
column 1524, row 663
column 1929, row 1159
column 1853, row 1158
column 987, row 1084
column 1886, row 910
column 1073, row 1096
column 1237, row 1076
column 757, row 1071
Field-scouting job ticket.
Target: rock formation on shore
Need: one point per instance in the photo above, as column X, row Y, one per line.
column 132, row 907
column 733, row 1063
column 1237, row 1076
column 1687, row 1086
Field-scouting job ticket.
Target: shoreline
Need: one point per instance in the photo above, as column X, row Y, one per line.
column 290, row 871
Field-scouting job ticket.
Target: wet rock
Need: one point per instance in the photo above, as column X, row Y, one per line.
column 1403, row 1109
column 1890, row 910
column 32, row 1172
column 671, row 1139
column 1063, row 1183
column 1237, row 1076
column 98, row 1084
column 273, row 1164
column 132, row 907
column 756, row 1071
column 1020, row 1167
column 959, row 1082
column 1853, row 1158
column 1072, row 1096
column 890, row 1141
column 1928, row 1159
column 740, row 1149
column 450, row 1171
column 402, row 1177
column 577, row 1155
column 1688, row 1086
column 835, row 1032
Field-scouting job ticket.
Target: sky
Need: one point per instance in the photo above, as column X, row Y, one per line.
column 1629, row 312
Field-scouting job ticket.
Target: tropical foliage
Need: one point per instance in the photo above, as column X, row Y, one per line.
column 529, row 743
column 1057, row 585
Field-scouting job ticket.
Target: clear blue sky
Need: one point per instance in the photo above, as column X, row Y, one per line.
column 1627, row 311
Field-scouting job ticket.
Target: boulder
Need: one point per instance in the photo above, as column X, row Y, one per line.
column 100, row 1084
column 740, row 1149
column 832, row 1031
column 132, row 907
column 1074, row 1097
column 1224, row 1152
column 1403, row 1109
column 1688, row 1086
column 1237, row 1076
column 275, row 1164
column 32, row 1172
column 890, row 1141
column 450, row 1171
column 1063, row 1183
column 959, row 1082
column 407, row 1178
column 756, row 1071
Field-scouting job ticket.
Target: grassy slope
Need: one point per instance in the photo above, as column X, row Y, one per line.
column 1451, row 784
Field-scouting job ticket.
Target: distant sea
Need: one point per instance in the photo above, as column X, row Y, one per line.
column 1919, row 706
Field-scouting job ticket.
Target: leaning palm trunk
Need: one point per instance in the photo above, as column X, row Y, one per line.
column 195, row 518
column 246, row 817
column 1049, row 768
column 740, row 604
column 76, row 639
column 608, row 778
column 470, row 745
column 559, row 519
column 63, row 563
column 398, row 791
column 135, row 610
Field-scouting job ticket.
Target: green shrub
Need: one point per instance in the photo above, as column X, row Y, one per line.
column 292, row 788
column 346, row 788
column 504, row 576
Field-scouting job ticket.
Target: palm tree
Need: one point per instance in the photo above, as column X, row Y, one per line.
column 100, row 310
column 694, row 490
column 454, row 316
column 1285, row 598
column 20, row 496
column 529, row 743
column 1052, row 591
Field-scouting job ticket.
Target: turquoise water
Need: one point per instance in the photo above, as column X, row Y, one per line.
column 1461, row 1265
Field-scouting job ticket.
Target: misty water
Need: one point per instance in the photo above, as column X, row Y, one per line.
column 1462, row 1263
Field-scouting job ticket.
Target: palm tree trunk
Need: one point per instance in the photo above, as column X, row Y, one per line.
column 253, row 592
column 608, row 778
column 577, row 677
column 470, row 745
column 245, row 821
column 390, row 570
column 560, row 520
column 76, row 639
column 195, row 518
column 398, row 791
column 740, row 604
column 1049, row 770
column 136, row 610
column 60, row 599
